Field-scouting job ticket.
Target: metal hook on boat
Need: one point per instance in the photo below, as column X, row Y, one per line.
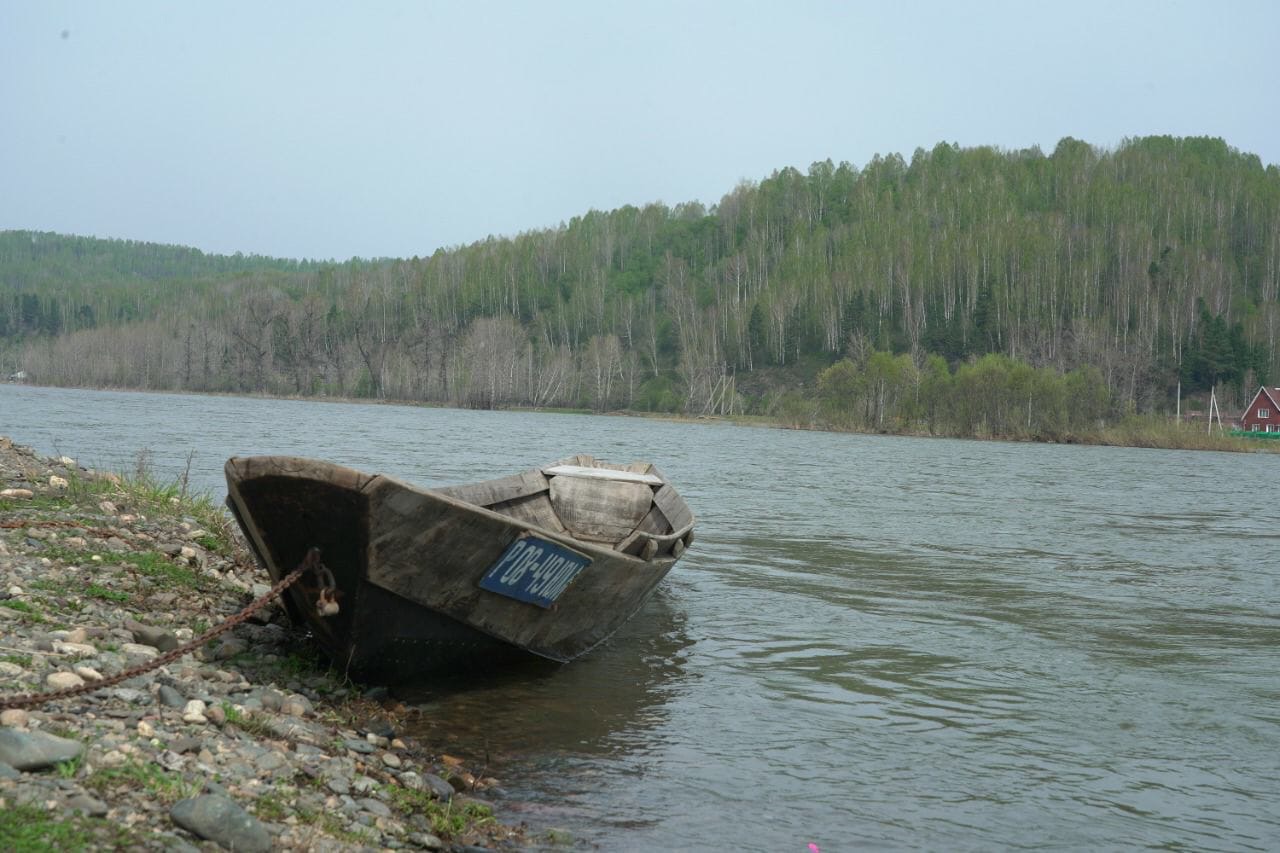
column 326, row 585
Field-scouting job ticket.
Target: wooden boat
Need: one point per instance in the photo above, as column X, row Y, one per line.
column 550, row 561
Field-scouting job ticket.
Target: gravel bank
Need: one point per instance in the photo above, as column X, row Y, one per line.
column 247, row 743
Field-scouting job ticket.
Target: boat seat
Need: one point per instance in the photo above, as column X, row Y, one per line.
column 599, row 509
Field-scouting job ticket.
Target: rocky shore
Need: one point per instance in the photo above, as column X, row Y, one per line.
column 246, row 743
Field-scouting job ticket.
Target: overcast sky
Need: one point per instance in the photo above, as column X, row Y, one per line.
column 385, row 129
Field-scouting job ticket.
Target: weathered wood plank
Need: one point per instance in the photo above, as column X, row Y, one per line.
column 673, row 507
column 602, row 474
column 492, row 492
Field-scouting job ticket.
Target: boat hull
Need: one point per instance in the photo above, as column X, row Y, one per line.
column 408, row 563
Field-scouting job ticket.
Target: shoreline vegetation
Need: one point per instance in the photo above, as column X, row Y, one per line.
column 248, row 742
column 967, row 292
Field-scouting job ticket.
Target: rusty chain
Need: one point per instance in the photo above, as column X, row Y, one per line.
column 310, row 563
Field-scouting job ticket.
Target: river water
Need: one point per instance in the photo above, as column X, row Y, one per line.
column 875, row 643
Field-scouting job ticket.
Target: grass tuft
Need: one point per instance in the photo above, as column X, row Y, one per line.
column 31, row 829
column 447, row 819
column 164, row 786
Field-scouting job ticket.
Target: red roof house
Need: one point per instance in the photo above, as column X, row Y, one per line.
column 1263, row 412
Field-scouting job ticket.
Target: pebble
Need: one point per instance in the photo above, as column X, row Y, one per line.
column 113, row 758
column 425, row 840
column 75, row 649
column 391, row 760
column 91, row 806
column 230, row 647
column 132, row 695
column 145, row 729
column 138, row 650
column 156, row 638
column 58, row 483
column 374, row 807
column 193, row 712
column 14, row 718
column 88, row 673
column 170, row 697
column 437, row 786
column 361, row 746
column 62, row 680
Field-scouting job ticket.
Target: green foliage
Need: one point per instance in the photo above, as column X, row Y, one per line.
column 165, row 786
column 272, row 806
column 658, row 395
column 32, row 829
column 1221, row 353
column 101, row 593
column 151, row 564
column 69, row 769
column 28, row 610
column 1084, row 258
column 246, row 722
column 448, row 820
column 991, row 396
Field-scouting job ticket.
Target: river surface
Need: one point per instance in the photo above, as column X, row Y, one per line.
column 875, row 643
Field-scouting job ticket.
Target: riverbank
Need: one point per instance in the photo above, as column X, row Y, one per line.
column 246, row 743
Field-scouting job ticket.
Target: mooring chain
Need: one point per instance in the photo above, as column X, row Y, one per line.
column 310, row 563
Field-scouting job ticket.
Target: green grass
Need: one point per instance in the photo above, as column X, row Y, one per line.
column 101, row 593
column 26, row 608
column 165, row 787
column 272, row 806
column 69, row 769
column 23, row 661
column 31, row 829
column 140, row 491
column 247, row 723
column 65, row 596
column 1161, row 432
column 150, row 564
column 447, row 819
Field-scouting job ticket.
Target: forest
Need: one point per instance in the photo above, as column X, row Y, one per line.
column 966, row 291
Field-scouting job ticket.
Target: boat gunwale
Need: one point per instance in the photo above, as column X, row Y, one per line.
column 372, row 481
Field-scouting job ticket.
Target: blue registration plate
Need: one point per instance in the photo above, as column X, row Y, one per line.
column 534, row 570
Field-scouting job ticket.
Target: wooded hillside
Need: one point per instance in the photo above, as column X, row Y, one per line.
column 1137, row 267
